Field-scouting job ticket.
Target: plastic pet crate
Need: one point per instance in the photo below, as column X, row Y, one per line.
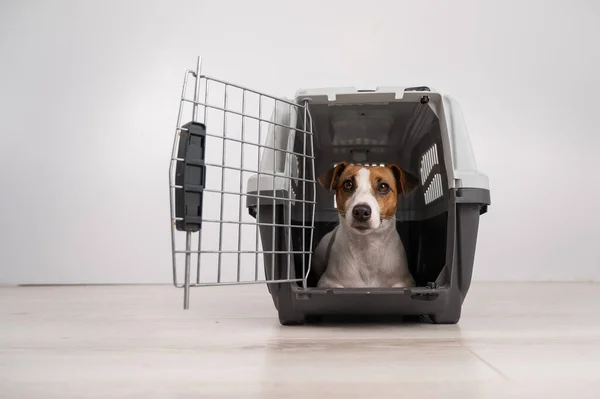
column 242, row 179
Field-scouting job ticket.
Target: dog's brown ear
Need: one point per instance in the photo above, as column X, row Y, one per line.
column 404, row 180
column 330, row 177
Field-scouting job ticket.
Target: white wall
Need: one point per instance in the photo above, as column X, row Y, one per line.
column 88, row 101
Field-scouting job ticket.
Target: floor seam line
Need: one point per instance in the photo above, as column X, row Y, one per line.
column 504, row 376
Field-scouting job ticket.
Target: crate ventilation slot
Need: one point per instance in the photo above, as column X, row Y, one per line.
column 428, row 161
column 434, row 191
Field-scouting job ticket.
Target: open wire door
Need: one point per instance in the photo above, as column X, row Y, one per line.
column 242, row 187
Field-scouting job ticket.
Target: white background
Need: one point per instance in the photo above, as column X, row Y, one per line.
column 89, row 94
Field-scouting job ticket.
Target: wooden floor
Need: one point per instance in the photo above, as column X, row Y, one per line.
column 514, row 340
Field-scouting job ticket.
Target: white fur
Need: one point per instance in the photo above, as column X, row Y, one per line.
column 373, row 258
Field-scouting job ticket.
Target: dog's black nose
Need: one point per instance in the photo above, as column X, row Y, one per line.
column 361, row 212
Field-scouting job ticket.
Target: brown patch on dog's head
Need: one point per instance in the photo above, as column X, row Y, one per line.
column 334, row 180
column 384, row 187
column 330, row 177
column 404, row 180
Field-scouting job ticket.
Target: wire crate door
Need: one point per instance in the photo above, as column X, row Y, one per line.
column 242, row 187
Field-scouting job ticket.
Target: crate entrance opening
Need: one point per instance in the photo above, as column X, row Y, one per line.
column 406, row 133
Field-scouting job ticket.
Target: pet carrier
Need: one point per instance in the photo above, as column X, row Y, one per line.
column 245, row 207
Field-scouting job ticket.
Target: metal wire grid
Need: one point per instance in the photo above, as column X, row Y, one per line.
column 236, row 149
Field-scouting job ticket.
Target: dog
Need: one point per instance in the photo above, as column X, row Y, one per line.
column 364, row 249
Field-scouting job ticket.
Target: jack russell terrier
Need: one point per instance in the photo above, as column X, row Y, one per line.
column 365, row 249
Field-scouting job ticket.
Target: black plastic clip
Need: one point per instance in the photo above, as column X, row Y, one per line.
column 190, row 174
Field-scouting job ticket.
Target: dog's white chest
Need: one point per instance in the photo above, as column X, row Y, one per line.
column 371, row 271
column 372, row 262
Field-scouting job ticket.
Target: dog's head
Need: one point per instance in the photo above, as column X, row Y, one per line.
column 367, row 196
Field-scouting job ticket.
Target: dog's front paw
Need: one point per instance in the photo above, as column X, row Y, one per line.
column 326, row 283
column 406, row 283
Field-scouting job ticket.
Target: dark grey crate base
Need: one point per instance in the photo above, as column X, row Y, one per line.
column 350, row 301
column 298, row 306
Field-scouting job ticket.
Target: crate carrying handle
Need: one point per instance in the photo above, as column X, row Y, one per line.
column 190, row 175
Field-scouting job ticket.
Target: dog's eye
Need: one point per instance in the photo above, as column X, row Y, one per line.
column 384, row 188
column 348, row 185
